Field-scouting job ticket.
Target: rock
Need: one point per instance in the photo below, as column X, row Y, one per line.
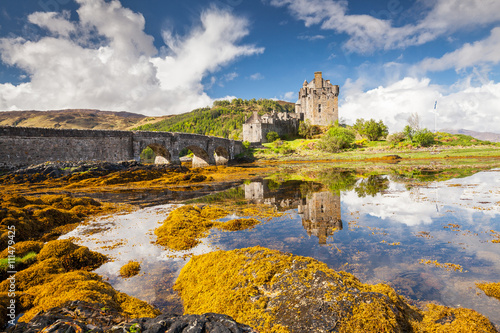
column 274, row 291
column 78, row 316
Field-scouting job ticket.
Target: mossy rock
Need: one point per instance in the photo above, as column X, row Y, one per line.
column 88, row 287
column 22, row 248
column 491, row 289
column 57, row 249
column 185, row 226
column 132, row 268
column 274, row 291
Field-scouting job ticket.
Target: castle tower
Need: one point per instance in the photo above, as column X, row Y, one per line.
column 318, row 101
column 321, row 215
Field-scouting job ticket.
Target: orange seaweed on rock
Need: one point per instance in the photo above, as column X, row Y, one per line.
column 22, row 248
column 443, row 319
column 132, row 268
column 49, row 215
column 186, row 225
column 239, row 224
column 491, row 289
column 61, row 275
column 274, row 291
column 85, row 286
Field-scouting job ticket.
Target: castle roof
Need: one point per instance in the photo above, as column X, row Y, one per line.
column 254, row 119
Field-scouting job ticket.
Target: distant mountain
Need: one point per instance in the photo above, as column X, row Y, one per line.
column 74, row 119
column 485, row 136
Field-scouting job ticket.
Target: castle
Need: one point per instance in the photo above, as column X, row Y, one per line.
column 318, row 103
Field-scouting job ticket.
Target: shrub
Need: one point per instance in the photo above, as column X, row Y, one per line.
column 335, row 139
column 423, row 137
column 371, row 129
column 307, row 130
column 272, row 136
column 396, row 137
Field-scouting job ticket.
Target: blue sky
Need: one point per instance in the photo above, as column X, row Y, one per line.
column 391, row 58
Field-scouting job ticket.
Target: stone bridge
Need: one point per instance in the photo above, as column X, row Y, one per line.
column 21, row 146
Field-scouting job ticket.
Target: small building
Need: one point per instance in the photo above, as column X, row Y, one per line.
column 256, row 127
column 318, row 103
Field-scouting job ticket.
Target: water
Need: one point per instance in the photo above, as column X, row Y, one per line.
column 378, row 228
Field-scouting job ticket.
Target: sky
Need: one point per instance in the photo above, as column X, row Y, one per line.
column 391, row 58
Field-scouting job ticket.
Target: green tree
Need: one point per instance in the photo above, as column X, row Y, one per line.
column 272, row 136
column 336, row 139
column 371, row 129
column 409, row 132
column 424, row 137
column 307, row 130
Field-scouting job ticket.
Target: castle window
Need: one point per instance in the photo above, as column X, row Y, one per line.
column 319, row 107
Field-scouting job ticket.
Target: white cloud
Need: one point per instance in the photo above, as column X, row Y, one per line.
column 56, row 23
column 230, row 76
column 256, row 76
column 311, row 38
column 477, row 53
column 469, row 107
column 289, row 96
column 106, row 61
column 368, row 33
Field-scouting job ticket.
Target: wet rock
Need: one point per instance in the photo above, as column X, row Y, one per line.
column 78, row 316
column 51, row 170
column 275, row 291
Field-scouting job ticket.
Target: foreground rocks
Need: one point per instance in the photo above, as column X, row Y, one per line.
column 279, row 292
column 53, row 170
column 80, row 316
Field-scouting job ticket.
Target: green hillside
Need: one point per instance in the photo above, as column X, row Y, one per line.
column 224, row 119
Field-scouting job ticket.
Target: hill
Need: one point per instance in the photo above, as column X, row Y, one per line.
column 72, row 119
column 485, row 136
column 224, row 119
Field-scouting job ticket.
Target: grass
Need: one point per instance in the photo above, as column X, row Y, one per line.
column 445, row 146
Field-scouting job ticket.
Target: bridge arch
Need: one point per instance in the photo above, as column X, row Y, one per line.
column 162, row 154
column 221, row 155
column 200, row 156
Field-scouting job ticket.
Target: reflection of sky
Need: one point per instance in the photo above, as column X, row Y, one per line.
column 131, row 236
column 361, row 247
column 421, row 205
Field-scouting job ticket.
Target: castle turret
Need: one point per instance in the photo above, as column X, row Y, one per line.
column 318, row 80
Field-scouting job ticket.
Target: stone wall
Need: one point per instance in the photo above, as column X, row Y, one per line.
column 24, row 146
column 256, row 128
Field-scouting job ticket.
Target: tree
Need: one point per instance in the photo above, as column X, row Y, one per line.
column 307, row 130
column 272, row 136
column 371, row 129
column 409, row 132
column 336, row 138
column 414, row 121
column 424, row 137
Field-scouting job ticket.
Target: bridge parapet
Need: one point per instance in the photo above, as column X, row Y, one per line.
column 20, row 146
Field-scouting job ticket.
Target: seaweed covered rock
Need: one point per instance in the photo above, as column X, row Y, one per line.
column 79, row 316
column 61, row 264
column 132, row 268
column 45, row 217
column 491, row 289
column 185, row 225
column 279, row 292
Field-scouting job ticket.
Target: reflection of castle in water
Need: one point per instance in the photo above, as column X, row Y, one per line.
column 320, row 211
